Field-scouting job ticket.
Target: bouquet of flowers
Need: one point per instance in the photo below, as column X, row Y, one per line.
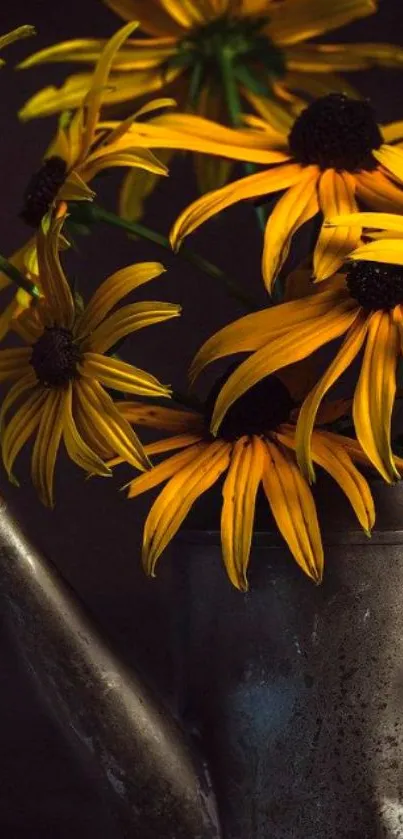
column 250, row 91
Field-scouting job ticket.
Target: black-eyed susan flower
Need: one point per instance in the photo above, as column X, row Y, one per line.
column 255, row 448
column 211, row 52
column 60, row 375
column 82, row 149
column 334, row 154
column 15, row 35
column 266, row 41
column 363, row 303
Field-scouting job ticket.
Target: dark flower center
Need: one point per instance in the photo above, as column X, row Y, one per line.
column 240, row 38
column 336, row 132
column 375, row 285
column 260, row 410
column 42, row 190
column 55, row 357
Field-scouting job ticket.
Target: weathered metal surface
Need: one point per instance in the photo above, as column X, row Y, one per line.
column 296, row 689
column 140, row 758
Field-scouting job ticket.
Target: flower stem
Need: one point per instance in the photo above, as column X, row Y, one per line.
column 234, row 108
column 13, row 274
column 91, row 213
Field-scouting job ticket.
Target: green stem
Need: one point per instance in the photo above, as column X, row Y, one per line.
column 13, row 274
column 91, row 213
column 234, row 108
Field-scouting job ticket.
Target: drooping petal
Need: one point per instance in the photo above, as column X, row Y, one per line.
column 58, row 301
column 23, row 384
column 375, row 393
column 115, row 432
column 14, row 363
column 179, row 441
column 382, row 221
column 251, row 332
column 119, row 375
column 112, row 290
column 177, row 498
column 330, row 452
column 163, row 471
column 281, row 352
column 336, row 197
column 186, row 13
column 154, row 416
column 77, row 449
column 46, row 445
column 129, row 319
column 307, row 415
column 298, row 205
column 375, row 190
column 137, row 185
column 130, row 158
column 20, row 428
column 392, row 131
column 391, row 158
column 298, row 20
column 260, row 183
column 293, row 509
column 238, row 509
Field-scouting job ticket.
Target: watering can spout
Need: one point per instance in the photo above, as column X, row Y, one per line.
column 143, row 761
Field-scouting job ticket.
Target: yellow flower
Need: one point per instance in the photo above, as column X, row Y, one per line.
column 184, row 44
column 15, row 35
column 364, row 303
column 256, row 447
column 182, row 38
column 82, row 149
column 61, row 373
column 334, row 154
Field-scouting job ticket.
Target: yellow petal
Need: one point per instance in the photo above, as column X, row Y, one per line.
column 77, row 449
column 94, row 97
column 381, row 250
column 330, row 452
column 375, row 190
column 47, row 445
column 186, row 13
column 296, row 207
column 375, row 394
column 261, row 183
column 336, row 197
column 154, row 416
column 177, row 498
column 14, row 363
column 293, row 509
column 348, row 351
column 298, row 20
column 115, row 432
column 391, row 158
column 153, row 18
column 382, row 221
column 281, row 352
column 128, row 319
column 392, row 131
column 25, row 31
column 180, row 441
column 238, row 509
column 130, row 158
column 318, row 84
column 58, row 300
column 253, row 331
column 119, row 375
column 172, row 466
column 21, row 426
column 137, row 185
column 111, row 291
column 23, row 384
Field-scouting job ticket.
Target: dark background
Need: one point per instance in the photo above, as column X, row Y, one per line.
column 93, row 535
